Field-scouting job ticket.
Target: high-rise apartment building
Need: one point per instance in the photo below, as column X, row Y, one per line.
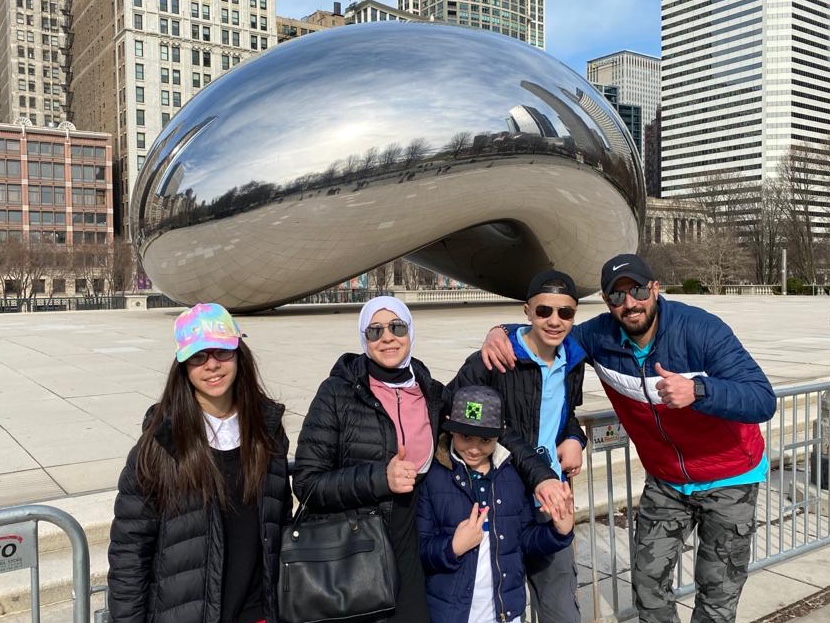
column 520, row 19
column 637, row 79
column 33, row 60
column 742, row 82
column 366, row 11
column 136, row 63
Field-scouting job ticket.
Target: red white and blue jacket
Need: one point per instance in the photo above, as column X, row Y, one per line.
column 716, row 437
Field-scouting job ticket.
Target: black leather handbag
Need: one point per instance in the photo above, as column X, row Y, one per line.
column 337, row 567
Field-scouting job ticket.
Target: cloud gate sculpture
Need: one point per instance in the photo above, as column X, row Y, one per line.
column 470, row 153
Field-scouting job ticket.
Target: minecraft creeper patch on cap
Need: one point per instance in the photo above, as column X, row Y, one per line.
column 473, row 411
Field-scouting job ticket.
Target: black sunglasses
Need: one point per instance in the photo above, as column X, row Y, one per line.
column 565, row 313
column 219, row 354
column 638, row 293
column 398, row 328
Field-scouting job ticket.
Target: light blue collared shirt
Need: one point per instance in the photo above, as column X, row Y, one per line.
column 553, row 397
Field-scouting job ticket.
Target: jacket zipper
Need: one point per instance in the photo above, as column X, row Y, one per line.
column 658, row 420
column 496, row 558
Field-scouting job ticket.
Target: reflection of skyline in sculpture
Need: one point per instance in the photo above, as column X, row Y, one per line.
column 236, row 205
column 528, row 120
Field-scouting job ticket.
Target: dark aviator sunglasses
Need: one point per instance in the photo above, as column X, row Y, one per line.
column 398, row 328
column 616, row 298
column 565, row 313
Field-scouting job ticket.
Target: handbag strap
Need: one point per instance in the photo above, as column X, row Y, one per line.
column 350, row 513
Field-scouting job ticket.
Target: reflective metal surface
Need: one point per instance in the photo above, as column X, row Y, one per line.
column 470, row 153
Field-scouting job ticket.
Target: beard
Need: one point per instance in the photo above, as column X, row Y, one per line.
column 636, row 329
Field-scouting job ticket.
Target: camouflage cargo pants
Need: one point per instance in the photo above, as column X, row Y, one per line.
column 725, row 521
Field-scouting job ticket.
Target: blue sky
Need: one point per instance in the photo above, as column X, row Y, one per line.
column 576, row 31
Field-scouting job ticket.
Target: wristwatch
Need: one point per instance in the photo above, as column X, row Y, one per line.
column 700, row 388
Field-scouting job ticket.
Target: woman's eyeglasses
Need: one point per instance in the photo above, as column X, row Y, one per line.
column 638, row 293
column 219, row 354
column 398, row 328
column 545, row 311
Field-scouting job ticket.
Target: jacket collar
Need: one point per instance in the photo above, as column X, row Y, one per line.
column 574, row 353
column 164, row 431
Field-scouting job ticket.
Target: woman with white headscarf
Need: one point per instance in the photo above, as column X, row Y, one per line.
column 369, row 437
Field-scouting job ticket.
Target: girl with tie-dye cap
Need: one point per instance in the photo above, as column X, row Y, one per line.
column 205, row 492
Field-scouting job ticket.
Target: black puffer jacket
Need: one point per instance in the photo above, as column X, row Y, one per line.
column 347, row 439
column 168, row 569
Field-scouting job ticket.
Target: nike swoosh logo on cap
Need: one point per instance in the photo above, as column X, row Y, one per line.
column 620, row 266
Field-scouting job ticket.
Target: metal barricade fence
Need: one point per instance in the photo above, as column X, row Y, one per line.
column 793, row 513
column 793, row 510
column 19, row 550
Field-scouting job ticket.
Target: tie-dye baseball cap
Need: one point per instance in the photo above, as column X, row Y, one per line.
column 206, row 325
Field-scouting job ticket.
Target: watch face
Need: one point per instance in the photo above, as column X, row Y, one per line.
column 700, row 389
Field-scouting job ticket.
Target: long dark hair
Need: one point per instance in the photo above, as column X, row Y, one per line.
column 167, row 480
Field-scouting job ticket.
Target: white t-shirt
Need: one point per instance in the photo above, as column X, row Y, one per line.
column 483, row 609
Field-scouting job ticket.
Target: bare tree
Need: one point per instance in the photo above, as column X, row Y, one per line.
column 369, row 161
column 460, row 142
column 416, row 150
column 763, row 232
column 24, row 264
column 380, row 277
column 803, row 173
column 725, row 201
column 90, row 263
column 120, row 267
column 390, row 155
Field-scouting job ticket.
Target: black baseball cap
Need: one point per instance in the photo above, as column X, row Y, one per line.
column 539, row 284
column 476, row 410
column 625, row 265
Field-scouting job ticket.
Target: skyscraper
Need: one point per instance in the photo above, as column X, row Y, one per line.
column 520, row 19
column 637, row 78
column 631, row 114
column 161, row 54
column 741, row 84
column 33, row 60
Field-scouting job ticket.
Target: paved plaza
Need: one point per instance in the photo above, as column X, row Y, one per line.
column 74, row 387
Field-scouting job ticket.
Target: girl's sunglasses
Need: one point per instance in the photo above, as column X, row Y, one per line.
column 219, row 354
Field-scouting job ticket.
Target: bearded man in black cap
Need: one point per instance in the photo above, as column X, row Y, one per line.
column 691, row 399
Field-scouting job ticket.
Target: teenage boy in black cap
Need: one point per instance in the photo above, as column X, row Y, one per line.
column 540, row 394
column 475, row 519
column 691, row 399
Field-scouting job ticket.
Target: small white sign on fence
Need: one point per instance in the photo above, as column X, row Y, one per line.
column 608, row 437
column 18, row 546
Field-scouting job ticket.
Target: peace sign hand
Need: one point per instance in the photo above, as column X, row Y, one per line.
column 470, row 532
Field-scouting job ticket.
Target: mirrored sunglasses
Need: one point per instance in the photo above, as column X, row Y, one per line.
column 219, row 354
column 616, row 298
column 398, row 328
column 565, row 313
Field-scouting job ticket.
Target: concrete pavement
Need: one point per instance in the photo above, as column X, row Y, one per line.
column 74, row 387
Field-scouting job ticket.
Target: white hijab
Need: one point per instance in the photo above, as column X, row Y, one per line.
column 398, row 308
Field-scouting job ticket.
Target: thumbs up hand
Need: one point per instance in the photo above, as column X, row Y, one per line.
column 400, row 473
column 675, row 390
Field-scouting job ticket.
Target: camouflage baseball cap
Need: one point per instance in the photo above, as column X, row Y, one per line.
column 476, row 410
